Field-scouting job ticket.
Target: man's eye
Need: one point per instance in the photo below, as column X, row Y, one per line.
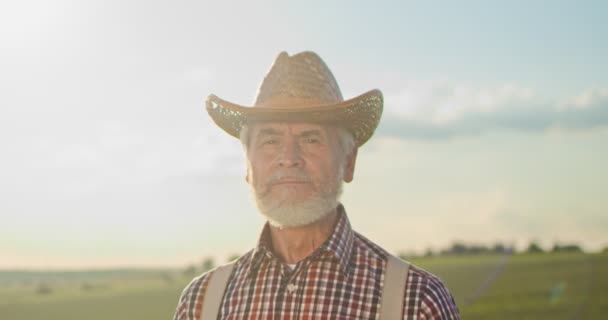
column 311, row 140
column 269, row 141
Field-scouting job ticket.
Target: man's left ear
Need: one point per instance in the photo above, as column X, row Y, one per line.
column 349, row 169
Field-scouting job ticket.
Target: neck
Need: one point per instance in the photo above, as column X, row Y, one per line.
column 296, row 243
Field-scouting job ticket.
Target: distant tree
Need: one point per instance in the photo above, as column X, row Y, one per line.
column 429, row 253
column 456, row 248
column 605, row 250
column 459, row 248
column 566, row 248
column 500, row 248
column 208, row 264
column 477, row 249
column 190, row 271
column 533, row 247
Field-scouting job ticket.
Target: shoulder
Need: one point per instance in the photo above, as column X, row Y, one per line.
column 191, row 298
column 369, row 251
column 190, row 301
column 427, row 297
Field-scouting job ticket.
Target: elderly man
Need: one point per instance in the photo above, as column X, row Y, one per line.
column 301, row 140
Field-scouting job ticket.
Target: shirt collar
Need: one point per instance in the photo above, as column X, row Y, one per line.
column 339, row 244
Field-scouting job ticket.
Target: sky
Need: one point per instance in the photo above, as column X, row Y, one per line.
column 494, row 127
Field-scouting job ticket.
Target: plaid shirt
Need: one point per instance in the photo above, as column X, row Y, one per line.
column 342, row 279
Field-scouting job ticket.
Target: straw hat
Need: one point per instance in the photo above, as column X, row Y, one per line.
column 301, row 88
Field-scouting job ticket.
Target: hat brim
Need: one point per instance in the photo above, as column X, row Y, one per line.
column 359, row 115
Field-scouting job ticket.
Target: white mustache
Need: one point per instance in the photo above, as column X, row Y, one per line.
column 291, row 176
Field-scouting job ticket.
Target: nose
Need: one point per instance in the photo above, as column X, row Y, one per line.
column 290, row 155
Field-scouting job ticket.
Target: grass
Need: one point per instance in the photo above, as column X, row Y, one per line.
column 127, row 296
column 540, row 286
column 527, row 286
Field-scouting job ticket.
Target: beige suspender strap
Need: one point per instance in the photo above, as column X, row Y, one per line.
column 393, row 291
column 215, row 291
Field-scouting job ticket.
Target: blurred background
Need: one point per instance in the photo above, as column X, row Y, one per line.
column 488, row 167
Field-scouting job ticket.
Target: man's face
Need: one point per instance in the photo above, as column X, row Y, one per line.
column 296, row 171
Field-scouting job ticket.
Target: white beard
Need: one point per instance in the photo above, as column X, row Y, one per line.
column 283, row 213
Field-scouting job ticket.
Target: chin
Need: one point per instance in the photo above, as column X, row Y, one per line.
column 294, row 207
column 291, row 196
column 286, row 213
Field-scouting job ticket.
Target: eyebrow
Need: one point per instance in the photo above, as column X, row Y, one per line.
column 269, row 132
column 309, row 133
column 273, row 132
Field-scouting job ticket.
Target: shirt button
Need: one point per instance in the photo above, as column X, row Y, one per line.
column 291, row 287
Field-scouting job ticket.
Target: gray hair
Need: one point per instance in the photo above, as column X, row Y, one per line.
column 346, row 140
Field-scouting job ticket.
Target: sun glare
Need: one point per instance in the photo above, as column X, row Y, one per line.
column 23, row 23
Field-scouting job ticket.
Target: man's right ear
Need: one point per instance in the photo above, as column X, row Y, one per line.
column 349, row 170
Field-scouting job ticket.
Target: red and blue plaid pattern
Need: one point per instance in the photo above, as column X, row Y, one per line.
column 342, row 279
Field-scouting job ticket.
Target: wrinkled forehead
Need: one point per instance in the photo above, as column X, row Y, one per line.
column 289, row 127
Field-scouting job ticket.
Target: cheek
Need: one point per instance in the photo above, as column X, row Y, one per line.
column 325, row 172
column 336, row 171
column 251, row 172
column 257, row 172
column 254, row 176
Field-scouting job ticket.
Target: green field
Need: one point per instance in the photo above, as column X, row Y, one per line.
column 540, row 286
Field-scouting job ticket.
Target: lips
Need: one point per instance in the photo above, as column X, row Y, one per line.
column 287, row 182
column 293, row 178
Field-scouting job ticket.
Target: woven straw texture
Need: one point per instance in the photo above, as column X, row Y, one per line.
column 301, row 88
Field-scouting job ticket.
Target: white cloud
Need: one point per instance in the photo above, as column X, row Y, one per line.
column 113, row 153
column 439, row 101
column 439, row 109
column 591, row 98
